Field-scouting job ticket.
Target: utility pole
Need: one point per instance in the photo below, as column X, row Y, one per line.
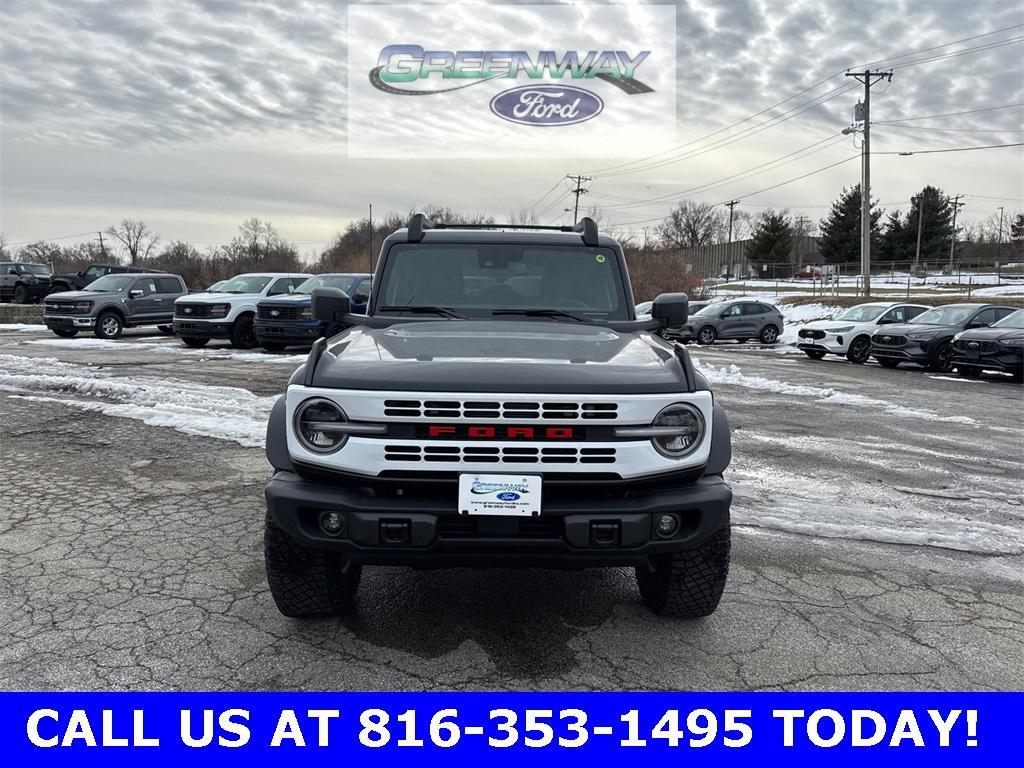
column 801, row 222
column 731, row 204
column 999, row 241
column 868, row 78
column 103, row 248
column 578, row 191
column 646, row 228
column 957, row 205
column 918, row 200
column 371, row 238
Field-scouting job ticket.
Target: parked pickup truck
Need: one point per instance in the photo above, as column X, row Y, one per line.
column 283, row 321
column 113, row 303
column 230, row 312
column 499, row 404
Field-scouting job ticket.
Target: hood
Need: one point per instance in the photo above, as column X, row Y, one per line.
column 824, row 325
column 80, row 295
column 500, row 356
column 289, row 300
column 992, row 334
column 221, row 298
column 905, row 329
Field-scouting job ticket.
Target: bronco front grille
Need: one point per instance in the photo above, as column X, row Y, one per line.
column 192, row 310
column 489, row 454
column 488, row 409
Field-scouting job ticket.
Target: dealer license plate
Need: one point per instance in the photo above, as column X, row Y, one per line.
column 504, row 495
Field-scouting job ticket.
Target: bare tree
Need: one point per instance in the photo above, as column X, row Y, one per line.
column 135, row 238
column 523, row 216
column 691, row 224
column 3, row 246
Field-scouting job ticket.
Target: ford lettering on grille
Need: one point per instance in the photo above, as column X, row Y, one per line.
column 547, row 105
column 510, row 432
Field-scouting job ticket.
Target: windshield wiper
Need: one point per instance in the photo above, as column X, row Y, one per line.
column 423, row 309
column 552, row 313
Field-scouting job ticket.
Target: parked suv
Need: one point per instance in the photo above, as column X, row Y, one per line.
column 997, row 348
column 230, row 312
column 850, row 333
column 113, row 303
column 23, row 283
column 282, row 321
column 499, row 404
column 927, row 339
column 80, row 280
column 740, row 319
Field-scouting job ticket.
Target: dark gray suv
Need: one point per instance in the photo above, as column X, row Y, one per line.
column 113, row 303
column 740, row 319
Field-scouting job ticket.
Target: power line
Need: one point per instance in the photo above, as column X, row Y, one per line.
column 954, row 54
column 948, row 114
column 537, row 201
column 49, row 239
column 952, row 149
column 954, row 130
column 881, row 62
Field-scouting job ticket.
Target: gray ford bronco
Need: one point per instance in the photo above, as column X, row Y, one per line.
column 499, row 404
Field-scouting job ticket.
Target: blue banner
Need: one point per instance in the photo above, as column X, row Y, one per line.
column 110, row 729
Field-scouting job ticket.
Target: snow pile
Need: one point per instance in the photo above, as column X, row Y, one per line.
column 227, row 413
column 22, row 327
column 798, row 315
column 734, row 376
column 162, row 347
column 1016, row 289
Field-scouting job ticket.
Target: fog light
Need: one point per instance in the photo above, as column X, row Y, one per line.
column 666, row 525
column 332, row 523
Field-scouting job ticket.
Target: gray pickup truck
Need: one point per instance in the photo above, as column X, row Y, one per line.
column 115, row 302
column 499, row 404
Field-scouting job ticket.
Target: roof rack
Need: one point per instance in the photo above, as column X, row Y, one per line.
column 419, row 223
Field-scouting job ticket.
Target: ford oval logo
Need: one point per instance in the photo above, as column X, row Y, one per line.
column 546, row 105
column 508, row 496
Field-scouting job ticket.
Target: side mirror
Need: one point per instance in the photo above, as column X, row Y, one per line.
column 136, row 293
column 671, row 309
column 331, row 304
column 12, row 271
column 977, row 325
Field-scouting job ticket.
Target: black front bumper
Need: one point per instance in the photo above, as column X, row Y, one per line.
column 911, row 352
column 1010, row 360
column 288, row 331
column 197, row 329
column 574, row 531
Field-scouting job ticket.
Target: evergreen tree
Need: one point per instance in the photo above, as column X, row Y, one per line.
column 771, row 241
column 840, row 230
column 1017, row 232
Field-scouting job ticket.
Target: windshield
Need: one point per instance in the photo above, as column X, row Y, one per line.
column 111, row 283
column 862, row 313
column 1013, row 320
column 953, row 315
column 477, row 280
column 341, row 282
column 244, row 284
column 711, row 309
column 33, row 269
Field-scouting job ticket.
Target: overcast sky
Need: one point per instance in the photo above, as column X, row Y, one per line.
column 196, row 115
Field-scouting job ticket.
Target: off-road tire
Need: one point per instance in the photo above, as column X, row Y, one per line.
column 307, row 583
column 688, row 584
column 65, row 333
column 769, row 335
column 166, row 329
column 109, row 325
column 273, row 346
column 887, row 362
column 941, row 360
column 21, row 295
column 59, row 288
column 707, row 335
column 243, row 334
column 859, row 350
column 814, row 354
column 195, row 343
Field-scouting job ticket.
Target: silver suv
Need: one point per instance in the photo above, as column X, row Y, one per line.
column 740, row 319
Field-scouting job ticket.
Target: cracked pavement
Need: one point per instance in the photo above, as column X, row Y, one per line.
column 131, row 558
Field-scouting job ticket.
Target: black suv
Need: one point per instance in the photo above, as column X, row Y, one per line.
column 499, row 404
column 927, row 339
column 997, row 348
column 23, row 283
column 92, row 272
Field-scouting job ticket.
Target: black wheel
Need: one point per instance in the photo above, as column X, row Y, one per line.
column 191, row 341
column 58, row 288
column 859, row 350
column 65, row 333
column 940, row 362
column 108, row 325
column 968, row 371
column 887, row 362
column 307, row 583
column 769, row 334
column 243, row 334
column 689, row 584
column 166, row 329
column 707, row 335
column 814, row 354
column 273, row 346
column 21, row 295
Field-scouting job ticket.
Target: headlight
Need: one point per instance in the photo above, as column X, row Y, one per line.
column 1012, row 342
column 83, row 306
column 840, row 329
column 674, row 433
column 919, row 336
column 220, row 310
column 306, row 313
column 315, row 423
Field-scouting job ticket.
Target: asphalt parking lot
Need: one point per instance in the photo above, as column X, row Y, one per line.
column 878, row 543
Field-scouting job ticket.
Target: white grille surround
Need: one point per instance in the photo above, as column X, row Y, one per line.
column 369, row 456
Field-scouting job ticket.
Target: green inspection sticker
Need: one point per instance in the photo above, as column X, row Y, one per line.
column 600, row 258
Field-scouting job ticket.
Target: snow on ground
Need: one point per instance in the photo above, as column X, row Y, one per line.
column 227, row 413
column 1002, row 290
column 162, row 346
column 22, row 327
